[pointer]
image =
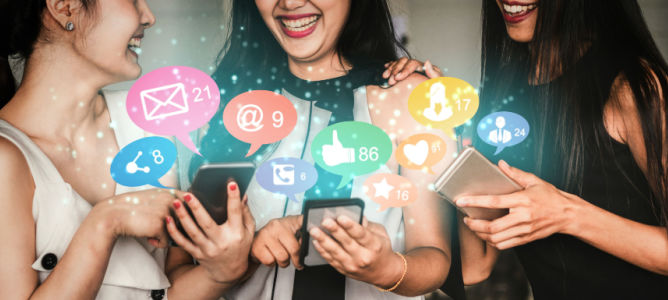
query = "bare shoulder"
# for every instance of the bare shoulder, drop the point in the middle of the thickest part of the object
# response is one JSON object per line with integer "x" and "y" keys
{"x": 15, "y": 178}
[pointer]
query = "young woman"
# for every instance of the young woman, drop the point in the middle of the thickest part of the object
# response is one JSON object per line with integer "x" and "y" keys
{"x": 71, "y": 232}
{"x": 326, "y": 57}
{"x": 591, "y": 81}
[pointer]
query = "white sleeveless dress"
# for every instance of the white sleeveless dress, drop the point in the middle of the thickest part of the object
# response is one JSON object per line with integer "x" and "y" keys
{"x": 135, "y": 269}
{"x": 266, "y": 206}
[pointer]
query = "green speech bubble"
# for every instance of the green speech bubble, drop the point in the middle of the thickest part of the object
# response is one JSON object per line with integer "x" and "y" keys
{"x": 351, "y": 149}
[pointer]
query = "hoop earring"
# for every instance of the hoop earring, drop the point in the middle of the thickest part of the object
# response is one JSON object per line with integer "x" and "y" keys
{"x": 69, "y": 26}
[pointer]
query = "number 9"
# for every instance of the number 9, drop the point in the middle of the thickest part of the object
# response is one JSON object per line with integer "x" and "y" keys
{"x": 277, "y": 116}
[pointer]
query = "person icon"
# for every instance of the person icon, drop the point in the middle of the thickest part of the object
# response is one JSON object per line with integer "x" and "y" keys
{"x": 436, "y": 97}
{"x": 500, "y": 135}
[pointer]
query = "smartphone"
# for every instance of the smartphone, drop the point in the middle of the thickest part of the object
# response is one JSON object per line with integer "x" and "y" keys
{"x": 473, "y": 174}
{"x": 315, "y": 211}
{"x": 210, "y": 188}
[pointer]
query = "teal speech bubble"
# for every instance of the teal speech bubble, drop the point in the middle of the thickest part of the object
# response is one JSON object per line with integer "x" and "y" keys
{"x": 351, "y": 149}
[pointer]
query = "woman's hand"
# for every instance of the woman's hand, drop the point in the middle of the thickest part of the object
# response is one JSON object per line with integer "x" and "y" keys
{"x": 138, "y": 214}
{"x": 399, "y": 70}
{"x": 221, "y": 249}
{"x": 362, "y": 252}
{"x": 276, "y": 243}
{"x": 536, "y": 212}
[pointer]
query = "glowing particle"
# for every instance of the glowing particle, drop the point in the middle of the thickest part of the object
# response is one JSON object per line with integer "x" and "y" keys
{"x": 100, "y": 134}
{"x": 81, "y": 104}
{"x": 74, "y": 153}
{"x": 393, "y": 122}
{"x": 397, "y": 113}
{"x": 202, "y": 39}
{"x": 109, "y": 160}
{"x": 104, "y": 186}
{"x": 174, "y": 42}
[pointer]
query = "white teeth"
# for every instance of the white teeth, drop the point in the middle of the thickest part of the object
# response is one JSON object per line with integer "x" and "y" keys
{"x": 514, "y": 9}
{"x": 300, "y": 24}
{"x": 134, "y": 43}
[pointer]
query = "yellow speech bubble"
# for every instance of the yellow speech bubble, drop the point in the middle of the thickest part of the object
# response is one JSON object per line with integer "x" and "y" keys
{"x": 443, "y": 103}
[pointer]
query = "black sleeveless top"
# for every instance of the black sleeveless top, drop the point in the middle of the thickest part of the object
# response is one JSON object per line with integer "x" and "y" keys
{"x": 562, "y": 266}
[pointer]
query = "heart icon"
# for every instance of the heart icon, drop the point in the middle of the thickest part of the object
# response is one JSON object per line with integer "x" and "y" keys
{"x": 417, "y": 153}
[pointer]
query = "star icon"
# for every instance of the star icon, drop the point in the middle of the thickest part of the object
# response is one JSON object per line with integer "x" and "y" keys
{"x": 383, "y": 189}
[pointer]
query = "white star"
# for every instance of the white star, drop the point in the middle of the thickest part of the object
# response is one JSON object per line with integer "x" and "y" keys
{"x": 383, "y": 189}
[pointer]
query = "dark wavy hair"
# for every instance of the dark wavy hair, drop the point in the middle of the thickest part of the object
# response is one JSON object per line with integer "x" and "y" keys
{"x": 21, "y": 23}
{"x": 615, "y": 31}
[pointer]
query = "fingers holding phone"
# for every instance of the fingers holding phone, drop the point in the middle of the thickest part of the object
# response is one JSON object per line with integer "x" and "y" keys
{"x": 277, "y": 244}
{"x": 221, "y": 249}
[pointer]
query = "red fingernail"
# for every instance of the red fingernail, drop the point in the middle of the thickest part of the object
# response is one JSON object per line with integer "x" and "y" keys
{"x": 187, "y": 198}
{"x": 177, "y": 204}
{"x": 168, "y": 219}
{"x": 233, "y": 186}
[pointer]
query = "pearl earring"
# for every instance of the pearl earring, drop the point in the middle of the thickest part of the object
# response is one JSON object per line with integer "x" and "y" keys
{"x": 69, "y": 26}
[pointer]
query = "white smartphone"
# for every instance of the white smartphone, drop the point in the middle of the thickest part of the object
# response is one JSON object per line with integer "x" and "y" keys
{"x": 473, "y": 174}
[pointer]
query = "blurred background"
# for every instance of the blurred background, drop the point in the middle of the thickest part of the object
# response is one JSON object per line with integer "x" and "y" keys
{"x": 447, "y": 32}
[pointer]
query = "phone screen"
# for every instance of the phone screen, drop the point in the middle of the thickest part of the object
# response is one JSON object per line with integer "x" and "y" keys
{"x": 210, "y": 188}
{"x": 314, "y": 216}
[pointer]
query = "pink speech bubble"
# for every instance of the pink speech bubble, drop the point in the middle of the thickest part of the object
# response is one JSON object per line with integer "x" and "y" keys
{"x": 390, "y": 190}
{"x": 173, "y": 101}
{"x": 259, "y": 117}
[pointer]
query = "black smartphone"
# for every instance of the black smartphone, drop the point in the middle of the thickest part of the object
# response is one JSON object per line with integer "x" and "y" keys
{"x": 315, "y": 211}
{"x": 210, "y": 188}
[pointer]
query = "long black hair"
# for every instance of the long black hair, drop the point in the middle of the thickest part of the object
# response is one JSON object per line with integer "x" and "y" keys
{"x": 566, "y": 31}
{"x": 21, "y": 23}
{"x": 251, "y": 54}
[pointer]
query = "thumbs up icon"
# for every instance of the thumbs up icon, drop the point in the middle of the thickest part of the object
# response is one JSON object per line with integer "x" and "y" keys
{"x": 335, "y": 154}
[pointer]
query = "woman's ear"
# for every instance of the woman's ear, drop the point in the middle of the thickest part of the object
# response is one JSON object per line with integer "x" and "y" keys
{"x": 64, "y": 12}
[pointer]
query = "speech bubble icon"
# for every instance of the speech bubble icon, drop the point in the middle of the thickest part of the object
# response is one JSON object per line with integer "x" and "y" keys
{"x": 259, "y": 117}
{"x": 421, "y": 151}
{"x": 143, "y": 161}
{"x": 443, "y": 103}
{"x": 503, "y": 129}
{"x": 173, "y": 101}
{"x": 351, "y": 149}
{"x": 390, "y": 190}
{"x": 286, "y": 175}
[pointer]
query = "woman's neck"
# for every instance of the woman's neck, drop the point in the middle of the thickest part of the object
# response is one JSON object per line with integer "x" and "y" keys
{"x": 326, "y": 67}
{"x": 58, "y": 96}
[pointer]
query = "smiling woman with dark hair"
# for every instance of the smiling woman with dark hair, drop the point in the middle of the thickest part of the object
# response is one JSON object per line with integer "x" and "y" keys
{"x": 591, "y": 81}
{"x": 326, "y": 57}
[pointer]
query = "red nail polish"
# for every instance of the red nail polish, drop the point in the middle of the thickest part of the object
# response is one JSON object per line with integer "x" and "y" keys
{"x": 177, "y": 204}
{"x": 168, "y": 219}
{"x": 233, "y": 186}
{"x": 187, "y": 198}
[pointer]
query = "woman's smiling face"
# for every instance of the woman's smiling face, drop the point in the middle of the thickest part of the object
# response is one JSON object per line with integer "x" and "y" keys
{"x": 305, "y": 29}
{"x": 520, "y": 17}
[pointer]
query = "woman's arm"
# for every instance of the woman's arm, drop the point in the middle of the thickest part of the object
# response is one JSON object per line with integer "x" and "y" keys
{"x": 79, "y": 273}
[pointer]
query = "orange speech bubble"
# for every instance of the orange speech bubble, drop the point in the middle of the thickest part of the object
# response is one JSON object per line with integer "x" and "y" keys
{"x": 421, "y": 152}
{"x": 390, "y": 190}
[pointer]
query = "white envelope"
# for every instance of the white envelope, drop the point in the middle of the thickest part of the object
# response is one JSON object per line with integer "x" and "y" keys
{"x": 164, "y": 101}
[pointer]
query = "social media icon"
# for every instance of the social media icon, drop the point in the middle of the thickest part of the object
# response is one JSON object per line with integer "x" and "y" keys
{"x": 500, "y": 135}
{"x": 443, "y": 103}
{"x": 421, "y": 151}
{"x": 249, "y": 118}
{"x": 284, "y": 174}
{"x": 382, "y": 189}
{"x": 164, "y": 101}
{"x": 174, "y": 101}
{"x": 143, "y": 161}
{"x": 390, "y": 190}
{"x": 417, "y": 153}
{"x": 335, "y": 154}
{"x": 132, "y": 166}
{"x": 438, "y": 102}
{"x": 259, "y": 117}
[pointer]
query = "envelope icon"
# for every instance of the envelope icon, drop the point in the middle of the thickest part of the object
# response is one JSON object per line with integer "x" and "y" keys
{"x": 164, "y": 101}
